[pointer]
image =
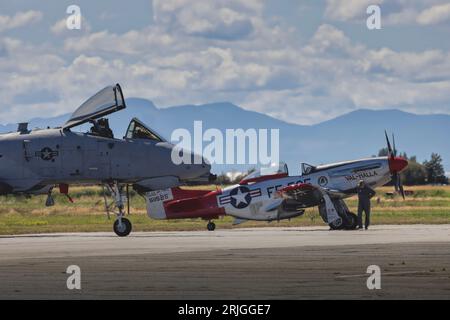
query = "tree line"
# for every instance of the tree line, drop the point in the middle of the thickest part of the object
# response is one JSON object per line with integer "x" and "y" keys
{"x": 428, "y": 172}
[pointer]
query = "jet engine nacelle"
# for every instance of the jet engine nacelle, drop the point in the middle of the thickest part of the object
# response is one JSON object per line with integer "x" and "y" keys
{"x": 159, "y": 183}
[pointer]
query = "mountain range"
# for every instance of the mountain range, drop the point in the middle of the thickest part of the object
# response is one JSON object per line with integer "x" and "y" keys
{"x": 357, "y": 134}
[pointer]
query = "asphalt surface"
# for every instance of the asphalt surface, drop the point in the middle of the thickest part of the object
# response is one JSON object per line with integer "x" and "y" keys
{"x": 260, "y": 263}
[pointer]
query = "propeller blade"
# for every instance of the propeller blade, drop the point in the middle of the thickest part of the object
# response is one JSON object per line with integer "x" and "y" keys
{"x": 394, "y": 178}
{"x": 388, "y": 144}
{"x": 402, "y": 191}
{"x": 393, "y": 145}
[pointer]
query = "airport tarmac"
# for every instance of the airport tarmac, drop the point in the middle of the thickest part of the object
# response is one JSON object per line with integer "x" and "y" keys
{"x": 259, "y": 263}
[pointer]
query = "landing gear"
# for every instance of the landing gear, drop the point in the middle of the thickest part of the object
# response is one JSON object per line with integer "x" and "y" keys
{"x": 352, "y": 221}
{"x": 337, "y": 224}
{"x": 122, "y": 226}
{"x": 50, "y": 201}
{"x": 211, "y": 226}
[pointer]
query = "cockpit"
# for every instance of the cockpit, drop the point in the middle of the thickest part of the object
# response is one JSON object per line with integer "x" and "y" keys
{"x": 107, "y": 101}
{"x": 101, "y": 128}
{"x": 272, "y": 170}
{"x": 307, "y": 169}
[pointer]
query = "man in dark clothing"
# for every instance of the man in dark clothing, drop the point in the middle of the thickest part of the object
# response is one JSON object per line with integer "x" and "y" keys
{"x": 364, "y": 195}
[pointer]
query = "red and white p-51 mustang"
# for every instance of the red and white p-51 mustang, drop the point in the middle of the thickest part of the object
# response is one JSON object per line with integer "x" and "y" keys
{"x": 271, "y": 194}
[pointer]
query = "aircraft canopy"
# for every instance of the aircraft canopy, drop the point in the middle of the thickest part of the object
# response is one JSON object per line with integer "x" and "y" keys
{"x": 138, "y": 130}
{"x": 104, "y": 102}
{"x": 273, "y": 169}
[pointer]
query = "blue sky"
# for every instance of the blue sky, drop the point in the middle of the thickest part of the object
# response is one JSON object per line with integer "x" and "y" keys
{"x": 300, "y": 61}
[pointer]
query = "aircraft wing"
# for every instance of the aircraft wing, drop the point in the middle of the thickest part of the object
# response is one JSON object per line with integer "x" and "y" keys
{"x": 307, "y": 194}
{"x": 304, "y": 195}
{"x": 104, "y": 102}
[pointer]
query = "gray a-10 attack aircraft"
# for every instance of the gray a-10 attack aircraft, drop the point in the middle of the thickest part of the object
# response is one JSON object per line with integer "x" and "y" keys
{"x": 35, "y": 161}
{"x": 274, "y": 195}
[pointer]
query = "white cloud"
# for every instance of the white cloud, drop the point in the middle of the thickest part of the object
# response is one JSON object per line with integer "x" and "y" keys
{"x": 60, "y": 27}
{"x": 221, "y": 19}
{"x": 175, "y": 61}
{"x": 132, "y": 42}
{"x": 20, "y": 19}
{"x": 345, "y": 10}
{"x": 393, "y": 12}
{"x": 435, "y": 14}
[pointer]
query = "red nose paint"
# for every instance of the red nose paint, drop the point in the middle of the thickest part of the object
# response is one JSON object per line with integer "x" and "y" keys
{"x": 397, "y": 164}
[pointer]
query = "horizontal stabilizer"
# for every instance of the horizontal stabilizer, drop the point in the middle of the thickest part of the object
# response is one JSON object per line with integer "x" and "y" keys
{"x": 155, "y": 203}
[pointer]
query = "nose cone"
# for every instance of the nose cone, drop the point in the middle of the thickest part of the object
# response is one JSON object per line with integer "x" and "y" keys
{"x": 204, "y": 168}
{"x": 196, "y": 171}
{"x": 397, "y": 164}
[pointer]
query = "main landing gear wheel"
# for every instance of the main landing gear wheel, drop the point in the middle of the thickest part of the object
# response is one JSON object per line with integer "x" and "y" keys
{"x": 211, "y": 226}
{"x": 352, "y": 221}
{"x": 122, "y": 229}
{"x": 337, "y": 224}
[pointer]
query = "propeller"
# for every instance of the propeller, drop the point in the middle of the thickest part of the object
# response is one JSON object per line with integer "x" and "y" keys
{"x": 393, "y": 144}
{"x": 396, "y": 165}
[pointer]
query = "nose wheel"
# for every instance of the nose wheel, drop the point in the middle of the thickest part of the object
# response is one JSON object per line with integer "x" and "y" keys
{"x": 122, "y": 227}
{"x": 211, "y": 226}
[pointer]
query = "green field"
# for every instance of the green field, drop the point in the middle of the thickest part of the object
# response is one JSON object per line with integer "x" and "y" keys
{"x": 19, "y": 214}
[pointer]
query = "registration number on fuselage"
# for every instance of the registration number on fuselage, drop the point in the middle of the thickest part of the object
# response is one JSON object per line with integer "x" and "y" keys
{"x": 274, "y": 188}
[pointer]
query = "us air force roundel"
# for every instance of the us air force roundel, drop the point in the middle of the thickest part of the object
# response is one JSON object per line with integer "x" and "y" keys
{"x": 46, "y": 154}
{"x": 240, "y": 197}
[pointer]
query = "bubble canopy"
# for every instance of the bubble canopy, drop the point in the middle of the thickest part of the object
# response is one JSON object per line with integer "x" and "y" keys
{"x": 108, "y": 100}
{"x": 273, "y": 169}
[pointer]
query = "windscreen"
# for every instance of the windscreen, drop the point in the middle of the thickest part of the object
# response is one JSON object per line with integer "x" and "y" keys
{"x": 137, "y": 130}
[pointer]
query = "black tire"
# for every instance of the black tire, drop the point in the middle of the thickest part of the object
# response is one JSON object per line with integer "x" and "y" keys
{"x": 211, "y": 226}
{"x": 126, "y": 227}
{"x": 337, "y": 224}
{"x": 352, "y": 221}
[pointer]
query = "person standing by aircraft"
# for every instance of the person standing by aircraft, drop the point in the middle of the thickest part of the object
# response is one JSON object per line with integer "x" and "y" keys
{"x": 364, "y": 195}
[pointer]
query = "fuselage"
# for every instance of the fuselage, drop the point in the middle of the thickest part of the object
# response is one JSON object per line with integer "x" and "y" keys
{"x": 253, "y": 200}
{"x": 33, "y": 160}
{"x": 256, "y": 197}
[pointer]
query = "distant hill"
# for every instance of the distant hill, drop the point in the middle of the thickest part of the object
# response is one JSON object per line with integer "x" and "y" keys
{"x": 353, "y": 135}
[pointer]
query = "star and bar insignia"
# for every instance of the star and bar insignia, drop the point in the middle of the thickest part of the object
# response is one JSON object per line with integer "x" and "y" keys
{"x": 240, "y": 197}
{"x": 46, "y": 154}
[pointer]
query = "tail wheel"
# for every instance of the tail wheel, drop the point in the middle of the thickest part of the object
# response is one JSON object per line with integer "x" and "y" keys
{"x": 123, "y": 229}
{"x": 352, "y": 221}
{"x": 211, "y": 226}
{"x": 337, "y": 224}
